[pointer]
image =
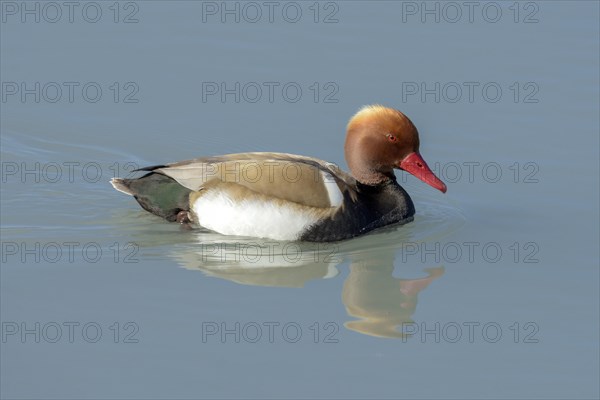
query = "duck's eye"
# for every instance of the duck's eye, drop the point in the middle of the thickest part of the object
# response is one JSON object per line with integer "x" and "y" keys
{"x": 391, "y": 138}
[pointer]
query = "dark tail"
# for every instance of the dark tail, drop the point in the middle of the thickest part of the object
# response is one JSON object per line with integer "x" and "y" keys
{"x": 156, "y": 193}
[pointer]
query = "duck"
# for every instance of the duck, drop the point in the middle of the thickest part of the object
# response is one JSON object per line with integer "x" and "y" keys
{"x": 288, "y": 197}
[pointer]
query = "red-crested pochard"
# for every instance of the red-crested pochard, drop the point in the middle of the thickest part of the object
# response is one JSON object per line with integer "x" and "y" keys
{"x": 289, "y": 197}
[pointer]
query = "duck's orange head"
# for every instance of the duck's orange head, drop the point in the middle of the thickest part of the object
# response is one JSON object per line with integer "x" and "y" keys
{"x": 379, "y": 139}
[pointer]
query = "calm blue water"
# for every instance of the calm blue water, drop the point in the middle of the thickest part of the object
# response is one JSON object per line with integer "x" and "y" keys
{"x": 492, "y": 292}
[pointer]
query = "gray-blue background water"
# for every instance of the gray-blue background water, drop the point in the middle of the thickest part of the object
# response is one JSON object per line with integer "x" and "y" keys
{"x": 494, "y": 285}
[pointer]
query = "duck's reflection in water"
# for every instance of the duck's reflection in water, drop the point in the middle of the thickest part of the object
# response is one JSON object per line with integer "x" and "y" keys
{"x": 260, "y": 262}
{"x": 380, "y": 302}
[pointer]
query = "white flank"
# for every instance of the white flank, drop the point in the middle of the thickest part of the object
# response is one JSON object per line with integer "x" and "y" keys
{"x": 333, "y": 190}
{"x": 217, "y": 211}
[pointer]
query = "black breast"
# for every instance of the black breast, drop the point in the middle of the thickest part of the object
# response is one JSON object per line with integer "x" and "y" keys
{"x": 374, "y": 207}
